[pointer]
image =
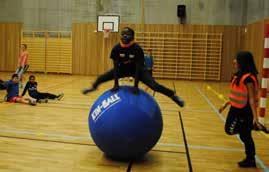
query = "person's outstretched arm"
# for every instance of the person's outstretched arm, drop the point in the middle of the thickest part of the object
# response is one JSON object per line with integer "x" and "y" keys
{"x": 25, "y": 88}
{"x": 221, "y": 109}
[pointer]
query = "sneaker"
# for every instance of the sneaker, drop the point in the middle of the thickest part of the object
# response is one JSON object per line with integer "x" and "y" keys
{"x": 247, "y": 163}
{"x": 178, "y": 100}
{"x": 32, "y": 102}
{"x": 60, "y": 96}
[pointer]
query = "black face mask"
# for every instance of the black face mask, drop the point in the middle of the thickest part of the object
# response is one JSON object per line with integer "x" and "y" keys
{"x": 126, "y": 39}
{"x": 126, "y": 36}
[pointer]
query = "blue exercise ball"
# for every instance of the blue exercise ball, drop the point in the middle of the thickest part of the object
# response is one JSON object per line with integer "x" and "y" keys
{"x": 125, "y": 126}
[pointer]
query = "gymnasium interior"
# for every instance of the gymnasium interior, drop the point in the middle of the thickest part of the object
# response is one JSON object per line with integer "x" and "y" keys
{"x": 193, "y": 44}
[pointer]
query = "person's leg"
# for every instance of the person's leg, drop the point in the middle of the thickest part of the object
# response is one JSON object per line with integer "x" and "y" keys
{"x": 22, "y": 100}
{"x": 20, "y": 73}
{"x": 147, "y": 79}
{"x": 26, "y": 67}
{"x": 150, "y": 72}
{"x": 109, "y": 75}
{"x": 232, "y": 123}
{"x": 2, "y": 87}
{"x": 18, "y": 70}
{"x": 47, "y": 96}
{"x": 39, "y": 97}
{"x": 30, "y": 101}
{"x": 25, "y": 100}
{"x": 246, "y": 137}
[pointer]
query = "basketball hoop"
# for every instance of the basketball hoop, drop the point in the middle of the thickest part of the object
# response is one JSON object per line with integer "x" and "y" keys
{"x": 106, "y": 32}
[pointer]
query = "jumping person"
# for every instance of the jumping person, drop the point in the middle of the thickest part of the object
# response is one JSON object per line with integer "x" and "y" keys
{"x": 128, "y": 60}
{"x": 31, "y": 87}
{"x": 12, "y": 87}
{"x": 242, "y": 116}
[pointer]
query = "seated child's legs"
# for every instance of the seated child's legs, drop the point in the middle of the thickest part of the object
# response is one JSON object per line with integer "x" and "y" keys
{"x": 19, "y": 99}
{"x": 14, "y": 99}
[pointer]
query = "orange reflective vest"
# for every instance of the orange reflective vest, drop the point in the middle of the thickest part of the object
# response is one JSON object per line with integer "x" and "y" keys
{"x": 239, "y": 93}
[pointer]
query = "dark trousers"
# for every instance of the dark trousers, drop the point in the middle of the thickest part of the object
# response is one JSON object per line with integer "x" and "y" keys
{"x": 2, "y": 87}
{"x": 39, "y": 96}
{"x": 144, "y": 77}
{"x": 242, "y": 124}
{"x": 150, "y": 72}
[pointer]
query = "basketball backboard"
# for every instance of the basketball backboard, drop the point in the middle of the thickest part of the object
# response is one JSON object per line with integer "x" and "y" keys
{"x": 108, "y": 22}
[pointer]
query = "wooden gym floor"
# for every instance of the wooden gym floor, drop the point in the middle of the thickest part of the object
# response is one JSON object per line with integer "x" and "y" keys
{"x": 54, "y": 137}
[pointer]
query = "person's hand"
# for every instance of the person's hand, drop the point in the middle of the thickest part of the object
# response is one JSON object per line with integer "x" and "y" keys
{"x": 221, "y": 109}
{"x": 257, "y": 125}
{"x": 115, "y": 88}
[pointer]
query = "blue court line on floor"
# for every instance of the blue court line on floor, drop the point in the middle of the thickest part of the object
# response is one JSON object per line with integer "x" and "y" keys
{"x": 259, "y": 161}
{"x": 87, "y": 139}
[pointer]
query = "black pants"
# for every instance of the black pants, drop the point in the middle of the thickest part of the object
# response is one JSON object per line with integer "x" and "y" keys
{"x": 241, "y": 124}
{"x": 150, "y": 71}
{"x": 38, "y": 96}
{"x": 2, "y": 87}
{"x": 144, "y": 76}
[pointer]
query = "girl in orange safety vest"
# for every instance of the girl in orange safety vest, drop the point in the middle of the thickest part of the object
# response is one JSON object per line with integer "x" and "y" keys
{"x": 242, "y": 115}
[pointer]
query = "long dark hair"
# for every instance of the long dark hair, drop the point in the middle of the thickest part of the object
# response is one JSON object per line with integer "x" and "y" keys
{"x": 246, "y": 65}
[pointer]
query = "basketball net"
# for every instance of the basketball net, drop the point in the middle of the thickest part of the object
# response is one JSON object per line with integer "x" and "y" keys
{"x": 106, "y": 33}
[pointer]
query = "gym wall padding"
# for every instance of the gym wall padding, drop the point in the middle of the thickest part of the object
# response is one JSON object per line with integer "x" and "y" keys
{"x": 10, "y": 39}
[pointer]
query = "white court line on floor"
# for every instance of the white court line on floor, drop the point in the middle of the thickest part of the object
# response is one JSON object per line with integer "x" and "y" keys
{"x": 10, "y": 131}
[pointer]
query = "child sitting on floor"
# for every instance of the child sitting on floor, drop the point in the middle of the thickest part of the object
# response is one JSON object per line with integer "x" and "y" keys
{"x": 12, "y": 87}
{"x": 31, "y": 87}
